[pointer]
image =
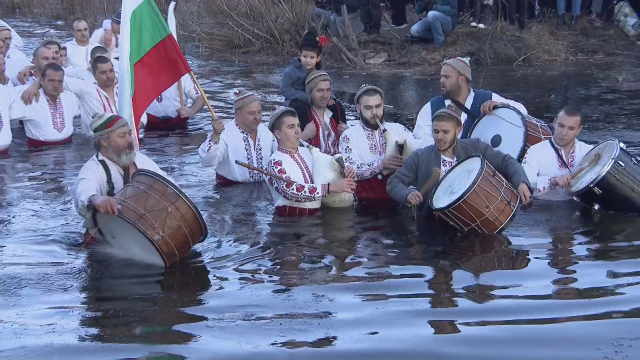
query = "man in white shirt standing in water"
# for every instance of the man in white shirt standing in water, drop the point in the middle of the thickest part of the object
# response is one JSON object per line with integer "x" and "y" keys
{"x": 79, "y": 49}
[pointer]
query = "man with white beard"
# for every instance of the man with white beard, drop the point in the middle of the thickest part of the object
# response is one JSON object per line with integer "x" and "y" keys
{"x": 107, "y": 172}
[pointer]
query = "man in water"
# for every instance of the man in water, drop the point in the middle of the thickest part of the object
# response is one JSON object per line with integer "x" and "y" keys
{"x": 79, "y": 48}
{"x": 166, "y": 113}
{"x": 548, "y": 164}
{"x": 444, "y": 154}
{"x": 107, "y": 172}
{"x": 455, "y": 87}
{"x": 109, "y": 36}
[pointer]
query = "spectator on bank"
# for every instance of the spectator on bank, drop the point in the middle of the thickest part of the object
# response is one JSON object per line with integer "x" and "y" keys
{"x": 513, "y": 12}
{"x": 398, "y": 13}
{"x": 462, "y": 5}
{"x": 329, "y": 12}
{"x": 478, "y": 15}
{"x": 575, "y": 13}
{"x": 371, "y": 16}
{"x": 440, "y": 20}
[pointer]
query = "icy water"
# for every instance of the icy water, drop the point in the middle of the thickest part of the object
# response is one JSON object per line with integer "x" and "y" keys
{"x": 558, "y": 284}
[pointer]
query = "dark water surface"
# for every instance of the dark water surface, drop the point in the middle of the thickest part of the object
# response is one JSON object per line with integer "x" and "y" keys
{"x": 558, "y": 284}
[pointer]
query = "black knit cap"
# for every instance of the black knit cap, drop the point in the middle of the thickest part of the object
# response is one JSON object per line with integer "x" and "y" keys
{"x": 310, "y": 41}
{"x": 117, "y": 17}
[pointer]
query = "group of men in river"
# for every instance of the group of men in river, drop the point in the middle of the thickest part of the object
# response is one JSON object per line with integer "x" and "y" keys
{"x": 313, "y": 116}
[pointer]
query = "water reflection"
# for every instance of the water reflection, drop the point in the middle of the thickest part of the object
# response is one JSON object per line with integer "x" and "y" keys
{"x": 132, "y": 303}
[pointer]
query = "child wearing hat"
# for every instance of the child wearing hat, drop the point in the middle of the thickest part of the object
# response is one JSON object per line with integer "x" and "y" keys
{"x": 293, "y": 87}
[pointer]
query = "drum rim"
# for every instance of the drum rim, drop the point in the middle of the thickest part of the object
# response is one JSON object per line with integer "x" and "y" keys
{"x": 604, "y": 170}
{"x": 141, "y": 231}
{"x": 173, "y": 186}
{"x": 464, "y": 193}
{"x": 522, "y": 118}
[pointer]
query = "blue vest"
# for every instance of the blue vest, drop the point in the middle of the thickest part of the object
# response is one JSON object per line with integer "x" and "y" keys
{"x": 479, "y": 98}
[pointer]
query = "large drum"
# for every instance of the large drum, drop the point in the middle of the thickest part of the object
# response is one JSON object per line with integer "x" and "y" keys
{"x": 608, "y": 177}
{"x": 508, "y": 130}
{"x": 474, "y": 197}
{"x": 156, "y": 222}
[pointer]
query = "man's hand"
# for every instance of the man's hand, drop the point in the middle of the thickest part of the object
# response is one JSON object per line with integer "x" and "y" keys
{"x": 25, "y": 73}
{"x": 32, "y": 92}
{"x": 185, "y": 112}
{"x": 392, "y": 162}
{"x": 414, "y": 198}
{"x": 349, "y": 172}
{"x": 488, "y": 106}
{"x": 105, "y": 204}
{"x": 218, "y": 128}
{"x": 562, "y": 180}
{"x": 342, "y": 186}
{"x": 525, "y": 194}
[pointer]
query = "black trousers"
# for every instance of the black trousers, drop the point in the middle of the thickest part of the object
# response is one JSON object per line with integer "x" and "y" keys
{"x": 371, "y": 15}
{"x": 509, "y": 9}
{"x": 462, "y": 5}
{"x": 398, "y": 12}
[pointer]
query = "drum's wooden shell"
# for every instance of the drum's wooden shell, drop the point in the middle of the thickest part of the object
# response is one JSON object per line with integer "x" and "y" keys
{"x": 163, "y": 213}
{"x": 487, "y": 207}
{"x": 537, "y": 131}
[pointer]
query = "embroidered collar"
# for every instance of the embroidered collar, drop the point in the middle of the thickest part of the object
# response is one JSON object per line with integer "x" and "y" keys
{"x": 288, "y": 152}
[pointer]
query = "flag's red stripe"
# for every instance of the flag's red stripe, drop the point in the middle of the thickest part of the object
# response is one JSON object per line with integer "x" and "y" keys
{"x": 155, "y": 72}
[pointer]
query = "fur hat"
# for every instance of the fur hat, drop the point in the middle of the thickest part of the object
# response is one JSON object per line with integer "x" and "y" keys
{"x": 366, "y": 87}
{"x": 461, "y": 65}
{"x": 314, "y": 78}
{"x": 278, "y": 112}
{"x": 242, "y": 98}
{"x": 102, "y": 124}
{"x": 451, "y": 112}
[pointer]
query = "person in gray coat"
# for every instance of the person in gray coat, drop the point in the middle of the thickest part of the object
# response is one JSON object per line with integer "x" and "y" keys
{"x": 444, "y": 154}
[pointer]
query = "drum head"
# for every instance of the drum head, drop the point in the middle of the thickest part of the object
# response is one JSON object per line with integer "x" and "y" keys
{"x": 608, "y": 151}
{"x": 504, "y": 129}
{"x": 456, "y": 183}
{"x": 127, "y": 241}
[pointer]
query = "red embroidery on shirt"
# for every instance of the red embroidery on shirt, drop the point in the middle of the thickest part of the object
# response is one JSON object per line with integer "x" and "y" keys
{"x": 57, "y": 114}
{"x": 291, "y": 190}
{"x": 248, "y": 149}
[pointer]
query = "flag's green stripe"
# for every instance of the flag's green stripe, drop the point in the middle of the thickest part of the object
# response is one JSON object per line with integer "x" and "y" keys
{"x": 148, "y": 28}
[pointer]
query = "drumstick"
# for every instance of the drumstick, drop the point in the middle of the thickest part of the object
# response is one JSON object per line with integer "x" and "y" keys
{"x": 251, "y": 167}
{"x": 435, "y": 176}
{"x": 596, "y": 157}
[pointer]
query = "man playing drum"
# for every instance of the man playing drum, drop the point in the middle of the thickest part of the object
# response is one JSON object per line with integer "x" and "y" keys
{"x": 364, "y": 146}
{"x": 455, "y": 86}
{"x": 444, "y": 154}
{"x": 300, "y": 196}
{"x": 106, "y": 173}
{"x": 548, "y": 164}
{"x": 245, "y": 139}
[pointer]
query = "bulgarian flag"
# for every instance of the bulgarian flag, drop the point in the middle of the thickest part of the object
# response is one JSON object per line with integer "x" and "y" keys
{"x": 150, "y": 59}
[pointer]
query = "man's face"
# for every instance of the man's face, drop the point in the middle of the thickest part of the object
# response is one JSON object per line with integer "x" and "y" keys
{"x": 115, "y": 28}
{"x": 445, "y": 134}
{"x": 2, "y": 68}
{"x": 44, "y": 56}
{"x": 289, "y": 134}
{"x": 52, "y": 83}
{"x": 250, "y": 116}
{"x": 321, "y": 94}
{"x": 63, "y": 58}
{"x": 81, "y": 31}
{"x": 566, "y": 129}
{"x": 6, "y": 35}
{"x": 450, "y": 82}
{"x": 309, "y": 59}
{"x": 105, "y": 76}
{"x": 371, "y": 109}
{"x": 118, "y": 147}
{"x": 56, "y": 53}
{"x": 3, "y": 49}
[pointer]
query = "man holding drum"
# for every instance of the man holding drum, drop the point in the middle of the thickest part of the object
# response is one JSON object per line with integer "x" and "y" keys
{"x": 245, "y": 139}
{"x": 106, "y": 173}
{"x": 455, "y": 87}
{"x": 444, "y": 154}
{"x": 548, "y": 164}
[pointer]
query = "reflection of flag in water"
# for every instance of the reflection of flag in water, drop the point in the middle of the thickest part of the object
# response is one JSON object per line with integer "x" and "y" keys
{"x": 150, "y": 59}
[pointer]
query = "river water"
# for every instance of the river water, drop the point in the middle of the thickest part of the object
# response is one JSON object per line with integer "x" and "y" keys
{"x": 559, "y": 283}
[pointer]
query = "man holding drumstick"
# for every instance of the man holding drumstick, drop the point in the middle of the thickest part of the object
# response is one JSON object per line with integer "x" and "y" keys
{"x": 548, "y": 164}
{"x": 444, "y": 155}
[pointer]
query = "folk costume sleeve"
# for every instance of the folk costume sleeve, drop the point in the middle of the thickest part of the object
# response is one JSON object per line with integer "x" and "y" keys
{"x": 212, "y": 152}
{"x": 506, "y": 165}
{"x": 515, "y": 104}
{"x": 364, "y": 170}
{"x": 77, "y": 86}
{"x": 287, "y": 89}
{"x": 291, "y": 190}
{"x": 87, "y": 185}
{"x": 423, "y": 128}
{"x": 531, "y": 166}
